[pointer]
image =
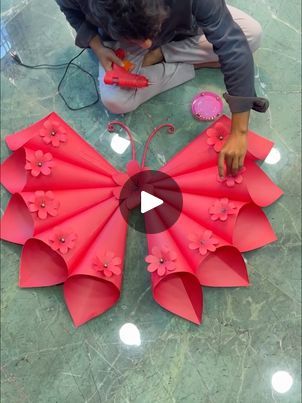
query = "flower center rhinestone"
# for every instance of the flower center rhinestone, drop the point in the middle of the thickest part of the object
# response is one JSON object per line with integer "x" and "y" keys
{"x": 161, "y": 260}
{"x": 220, "y": 137}
{"x": 223, "y": 210}
{"x": 52, "y": 133}
{"x": 106, "y": 265}
{"x": 62, "y": 240}
{"x": 43, "y": 205}
{"x": 39, "y": 164}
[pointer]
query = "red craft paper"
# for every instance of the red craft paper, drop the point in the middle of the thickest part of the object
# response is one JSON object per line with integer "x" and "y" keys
{"x": 18, "y": 224}
{"x": 199, "y": 155}
{"x": 179, "y": 291}
{"x": 15, "y": 178}
{"x": 85, "y": 226}
{"x": 248, "y": 229}
{"x": 255, "y": 187}
{"x": 78, "y": 236}
{"x": 75, "y": 150}
{"x": 89, "y": 293}
{"x": 223, "y": 267}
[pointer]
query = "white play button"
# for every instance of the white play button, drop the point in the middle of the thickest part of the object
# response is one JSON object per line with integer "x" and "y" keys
{"x": 149, "y": 202}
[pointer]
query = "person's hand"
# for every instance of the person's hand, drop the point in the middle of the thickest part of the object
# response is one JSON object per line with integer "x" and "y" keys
{"x": 105, "y": 55}
{"x": 232, "y": 154}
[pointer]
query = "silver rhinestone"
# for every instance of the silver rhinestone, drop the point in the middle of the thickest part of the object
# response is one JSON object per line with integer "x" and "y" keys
{"x": 40, "y": 164}
{"x": 161, "y": 260}
{"x": 105, "y": 265}
{"x": 62, "y": 240}
{"x": 43, "y": 205}
{"x": 53, "y": 133}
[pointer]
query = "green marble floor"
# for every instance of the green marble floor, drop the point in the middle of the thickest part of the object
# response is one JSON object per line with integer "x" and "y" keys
{"x": 247, "y": 335}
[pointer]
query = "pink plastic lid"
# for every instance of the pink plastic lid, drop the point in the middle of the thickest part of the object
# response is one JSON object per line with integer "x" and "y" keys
{"x": 207, "y": 106}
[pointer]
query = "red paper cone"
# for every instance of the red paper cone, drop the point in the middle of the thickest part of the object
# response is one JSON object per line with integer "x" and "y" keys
{"x": 244, "y": 226}
{"x": 178, "y": 289}
{"x": 94, "y": 284}
{"x": 77, "y": 233}
{"x": 69, "y": 147}
{"x": 40, "y": 266}
{"x": 250, "y": 184}
{"x": 203, "y": 152}
{"x": 252, "y": 230}
{"x": 216, "y": 263}
{"x": 19, "y": 224}
{"x": 62, "y": 175}
{"x": 263, "y": 191}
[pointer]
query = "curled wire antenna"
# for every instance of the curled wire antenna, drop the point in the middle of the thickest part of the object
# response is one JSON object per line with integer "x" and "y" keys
{"x": 170, "y": 130}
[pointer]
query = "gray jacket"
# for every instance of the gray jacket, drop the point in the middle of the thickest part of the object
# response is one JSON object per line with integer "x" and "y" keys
{"x": 185, "y": 20}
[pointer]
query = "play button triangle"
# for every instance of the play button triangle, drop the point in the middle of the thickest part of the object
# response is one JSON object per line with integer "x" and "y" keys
{"x": 149, "y": 202}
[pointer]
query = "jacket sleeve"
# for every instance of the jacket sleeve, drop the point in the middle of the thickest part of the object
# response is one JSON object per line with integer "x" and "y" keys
{"x": 235, "y": 56}
{"x": 76, "y": 18}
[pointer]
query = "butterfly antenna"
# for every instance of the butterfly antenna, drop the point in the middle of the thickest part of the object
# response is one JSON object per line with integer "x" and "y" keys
{"x": 171, "y": 130}
{"x": 110, "y": 128}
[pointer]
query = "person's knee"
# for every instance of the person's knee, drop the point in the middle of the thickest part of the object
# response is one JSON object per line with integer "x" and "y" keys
{"x": 117, "y": 104}
{"x": 254, "y": 35}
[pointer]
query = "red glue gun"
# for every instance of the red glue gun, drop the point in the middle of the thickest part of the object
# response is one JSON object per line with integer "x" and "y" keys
{"x": 122, "y": 78}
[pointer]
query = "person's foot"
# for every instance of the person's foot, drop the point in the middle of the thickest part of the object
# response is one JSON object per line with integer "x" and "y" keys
{"x": 153, "y": 57}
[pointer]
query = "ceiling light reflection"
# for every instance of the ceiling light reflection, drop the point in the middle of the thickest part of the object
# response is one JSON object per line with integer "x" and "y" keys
{"x": 273, "y": 157}
{"x": 130, "y": 335}
{"x": 119, "y": 144}
{"x": 282, "y": 381}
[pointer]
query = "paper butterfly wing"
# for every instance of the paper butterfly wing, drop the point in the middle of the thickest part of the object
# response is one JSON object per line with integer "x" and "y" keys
{"x": 64, "y": 211}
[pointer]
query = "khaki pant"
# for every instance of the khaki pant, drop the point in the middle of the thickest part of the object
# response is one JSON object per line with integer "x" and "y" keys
{"x": 178, "y": 67}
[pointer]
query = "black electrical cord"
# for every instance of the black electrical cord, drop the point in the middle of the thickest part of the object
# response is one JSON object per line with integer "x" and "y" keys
{"x": 67, "y": 65}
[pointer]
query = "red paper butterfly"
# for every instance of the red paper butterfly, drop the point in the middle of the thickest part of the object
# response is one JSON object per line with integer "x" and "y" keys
{"x": 65, "y": 211}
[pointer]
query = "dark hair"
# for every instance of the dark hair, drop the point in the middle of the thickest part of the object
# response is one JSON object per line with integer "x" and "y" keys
{"x": 130, "y": 19}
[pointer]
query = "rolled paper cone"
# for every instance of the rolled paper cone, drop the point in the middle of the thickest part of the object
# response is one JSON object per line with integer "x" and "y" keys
{"x": 83, "y": 228}
{"x": 18, "y": 224}
{"x": 247, "y": 229}
{"x": 15, "y": 178}
{"x": 75, "y": 150}
{"x": 252, "y": 230}
{"x": 199, "y": 155}
{"x": 255, "y": 185}
{"x": 222, "y": 267}
{"x": 179, "y": 291}
{"x": 205, "y": 183}
{"x": 263, "y": 191}
{"x": 196, "y": 155}
{"x": 89, "y": 292}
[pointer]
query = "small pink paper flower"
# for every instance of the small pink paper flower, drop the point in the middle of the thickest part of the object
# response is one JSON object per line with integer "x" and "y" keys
{"x": 62, "y": 240}
{"x": 44, "y": 204}
{"x": 217, "y": 136}
{"x": 161, "y": 261}
{"x": 232, "y": 180}
{"x": 203, "y": 243}
{"x": 39, "y": 163}
{"x": 108, "y": 265}
{"x": 132, "y": 192}
{"x": 221, "y": 209}
{"x": 53, "y": 133}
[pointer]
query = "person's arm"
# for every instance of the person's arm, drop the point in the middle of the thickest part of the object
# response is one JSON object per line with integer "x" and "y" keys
{"x": 237, "y": 65}
{"x": 87, "y": 34}
{"x": 76, "y": 18}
